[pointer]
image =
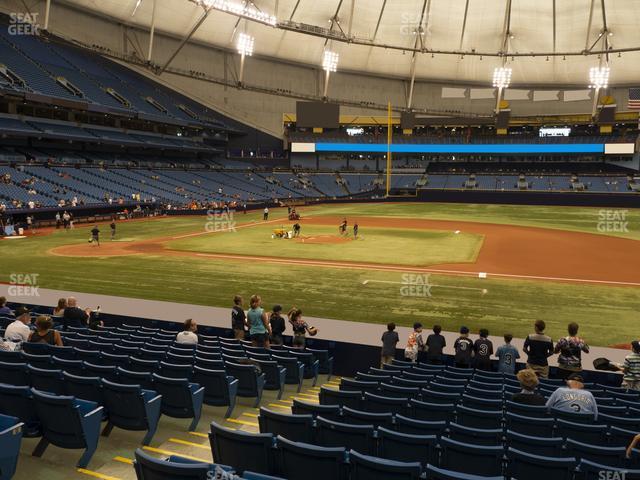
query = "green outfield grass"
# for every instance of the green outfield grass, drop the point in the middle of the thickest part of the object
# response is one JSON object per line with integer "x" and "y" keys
{"x": 379, "y": 245}
{"x": 606, "y": 314}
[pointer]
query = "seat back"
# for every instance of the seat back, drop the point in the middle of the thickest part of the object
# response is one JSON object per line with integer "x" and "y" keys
{"x": 472, "y": 459}
{"x": 539, "y": 411}
{"x": 380, "y": 404}
{"x": 143, "y": 365}
{"x": 84, "y": 388}
{"x": 596, "y": 453}
{"x": 413, "y": 426}
{"x": 14, "y": 373}
{"x": 404, "y": 447}
{"x": 474, "y": 418}
{"x": 127, "y": 377}
{"x": 271, "y": 372}
{"x": 524, "y": 466}
{"x": 329, "y": 396}
{"x": 358, "y": 417}
{"x": 477, "y": 436}
{"x": 75, "y": 367}
{"x": 346, "y": 384}
{"x": 331, "y": 412}
{"x": 594, "y": 434}
{"x": 48, "y": 380}
{"x": 297, "y": 428}
{"x": 536, "y": 427}
{"x": 245, "y": 451}
{"x": 365, "y": 467}
{"x": 300, "y": 461}
{"x": 125, "y": 404}
{"x": 543, "y": 446}
{"x": 150, "y": 468}
{"x": 247, "y": 376}
{"x": 435, "y": 412}
{"x": 353, "y": 437}
{"x": 177, "y": 399}
{"x": 174, "y": 370}
{"x": 17, "y": 401}
{"x": 38, "y": 361}
{"x": 106, "y": 372}
{"x": 216, "y": 387}
{"x": 60, "y": 418}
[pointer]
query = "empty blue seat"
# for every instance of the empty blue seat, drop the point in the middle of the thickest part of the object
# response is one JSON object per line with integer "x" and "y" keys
{"x": 91, "y": 356}
{"x": 38, "y": 361}
{"x": 49, "y": 380}
{"x": 180, "y": 398}
{"x": 127, "y": 377}
{"x": 474, "y": 418}
{"x": 539, "y": 411}
{"x": 473, "y": 459}
{"x": 619, "y": 437}
{"x": 300, "y": 461}
{"x": 68, "y": 423}
{"x": 300, "y": 407}
{"x": 352, "y": 399}
{"x": 431, "y": 396}
{"x": 74, "y": 367}
{"x": 180, "y": 358}
{"x": 571, "y": 416}
{"x": 297, "y": 428}
{"x": 525, "y": 466}
{"x": 151, "y": 468}
{"x": 107, "y": 372}
{"x": 174, "y": 370}
{"x": 596, "y": 453}
{"x": 294, "y": 369}
{"x": 114, "y": 359}
{"x": 620, "y": 421}
{"x": 336, "y": 434}
{"x": 358, "y": 417}
{"x": 410, "y": 382}
{"x": 131, "y": 408}
{"x": 493, "y": 395}
{"x": 543, "y": 446}
{"x": 220, "y": 389}
{"x": 250, "y": 381}
{"x": 595, "y": 434}
{"x": 364, "y": 467}
{"x": 347, "y": 384}
{"x": 404, "y": 447}
{"x": 17, "y": 401}
{"x": 438, "y": 385}
{"x": 35, "y": 348}
{"x": 11, "y": 357}
{"x": 477, "y": 436}
{"x": 14, "y": 373}
{"x": 380, "y": 404}
{"x": 594, "y": 471}
{"x": 142, "y": 365}
{"x": 150, "y": 354}
{"x": 245, "y": 451}
{"x": 274, "y": 376}
{"x": 481, "y": 403}
{"x": 433, "y": 412}
{"x": 84, "y": 388}
{"x": 419, "y": 427}
{"x": 10, "y": 438}
{"x": 435, "y": 473}
{"x": 388, "y": 390}
{"x": 325, "y": 359}
{"x": 536, "y": 427}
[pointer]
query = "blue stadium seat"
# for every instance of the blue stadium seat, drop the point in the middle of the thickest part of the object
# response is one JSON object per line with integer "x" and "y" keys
{"x": 596, "y": 453}
{"x": 245, "y": 451}
{"x": 620, "y": 421}
{"x": 349, "y": 385}
{"x": 571, "y": 416}
{"x": 74, "y": 367}
{"x": 431, "y": 396}
{"x": 594, "y": 471}
{"x": 274, "y": 376}
{"x": 410, "y": 382}
{"x": 404, "y": 447}
{"x": 435, "y": 473}
{"x": 594, "y": 434}
{"x": 389, "y": 390}
{"x": 525, "y": 466}
{"x": 331, "y": 412}
{"x": 469, "y": 458}
{"x": 619, "y": 437}
{"x": 180, "y": 398}
{"x": 413, "y": 426}
{"x": 17, "y": 401}
{"x": 38, "y": 361}
{"x": 114, "y": 359}
{"x": 35, "y": 348}
{"x": 336, "y": 434}
{"x": 364, "y": 467}
{"x": 477, "y": 436}
{"x": 107, "y": 372}
{"x": 151, "y": 468}
{"x": 180, "y": 359}
{"x": 68, "y": 423}
{"x": 250, "y": 381}
{"x": 131, "y": 408}
{"x": 489, "y": 394}
{"x": 11, "y": 357}
{"x": 311, "y": 365}
{"x": 379, "y": 404}
{"x": 84, "y": 388}
{"x": 536, "y": 427}
{"x": 14, "y": 373}
{"x": 325, "y": 361}
{"x": 10, "y": 438}
{"x": 480, "y": 403}
{"x": 539, "y": 411}
{"x": 220, "y": 389}
{"x": 300, "y": 461}
{"x": 297, "y": 428}
{"x": 342, "y": 398}
{"x": 294, "y": 368}
{"x": 49, "y": 380}
{"x": 474, "y": 418}
{"x": 441, "y": 385}
{"x": 543, "y": 446}
{"x": 358, "y": 417}
{"x": 174, "y": 370}
{"x": 142, "y": 365}
{"x": 127, "y": 377}
{"x": 433, "y": 412}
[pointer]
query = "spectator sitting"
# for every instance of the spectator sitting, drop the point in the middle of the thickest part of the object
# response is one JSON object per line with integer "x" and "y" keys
{"x": 538, "y": 348}
{"x": 19, "y": 331}
{"x": 463, "y": 348}
{"x": 74, "y": 316}
{"x": 507, "y": 355}
{"x": 45, "y": 333}
{"x": 528, "y": 395}
{"x": 435, "y": 345}
{"x": 58, "y": 311}
{"x": 570, "y": 349}
{"x": 188, "y": 335}
{"x": 4, "y": 310}
{"x": 573, "y": 398}
{"x": 389, "y": 341}
{"x": 631, "y": 368}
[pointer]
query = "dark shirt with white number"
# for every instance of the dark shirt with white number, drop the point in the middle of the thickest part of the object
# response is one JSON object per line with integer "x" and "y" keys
{"x": 464, "y": 350}
{"x": 483, "y": 349}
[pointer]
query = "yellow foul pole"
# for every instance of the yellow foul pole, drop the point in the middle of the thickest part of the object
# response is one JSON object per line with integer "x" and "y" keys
{"x": 389, "y": 136}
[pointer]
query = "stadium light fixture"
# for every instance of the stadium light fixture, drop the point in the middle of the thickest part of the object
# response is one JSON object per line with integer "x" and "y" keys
{"x": 599, "y": 77}
{"x": 245, "y": 49}
{"x": 502, "y": 77}
{"x": 329, "y": 64}
{"x": 245, "y": 44}
{"x": 245, "y": 10}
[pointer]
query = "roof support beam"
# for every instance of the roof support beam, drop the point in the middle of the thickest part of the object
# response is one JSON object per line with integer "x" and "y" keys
{"x": 293, "y": 12}
{"x": 335, "y": 21}
{"x": 47, "y": 10}
{"x": 353, "y": 7}
{"x": 464, "y": 23}
{"x": 187, "y": 37}
{"x": 586, "y": 43}
{"x": 419, "y": 34}
{"x": 555, "y": 31}
{"x": 375, "y": 33}
{"x": 152, "y": 31}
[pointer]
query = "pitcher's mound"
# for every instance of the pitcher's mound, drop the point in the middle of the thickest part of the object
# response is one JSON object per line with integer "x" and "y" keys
{"x": 324, "y": 239}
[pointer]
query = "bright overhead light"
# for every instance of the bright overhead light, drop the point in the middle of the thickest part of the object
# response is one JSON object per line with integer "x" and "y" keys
{"x": 245, "y": 44}
{"x": 599, "y": 77}
{"x": 502, "y": 77}
{"x": 135, "y": 9}
{"x": 330, "y": 61}
{"x": 240, "y": 9}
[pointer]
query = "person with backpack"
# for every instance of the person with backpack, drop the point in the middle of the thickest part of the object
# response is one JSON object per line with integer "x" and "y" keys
{"x": 415, "y": 343}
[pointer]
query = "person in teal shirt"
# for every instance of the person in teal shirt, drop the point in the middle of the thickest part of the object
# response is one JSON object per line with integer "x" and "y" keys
{"x": 259, "y": 327}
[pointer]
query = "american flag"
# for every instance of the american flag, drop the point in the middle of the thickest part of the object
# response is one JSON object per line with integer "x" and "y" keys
{"x": 634, "y": 99}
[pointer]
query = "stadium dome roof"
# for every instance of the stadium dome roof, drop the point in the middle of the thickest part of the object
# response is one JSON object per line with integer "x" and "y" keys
{"x": 546, "y": 42}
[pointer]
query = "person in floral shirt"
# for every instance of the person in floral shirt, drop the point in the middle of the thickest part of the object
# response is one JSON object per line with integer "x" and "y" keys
{"x": 570, "y": 349}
